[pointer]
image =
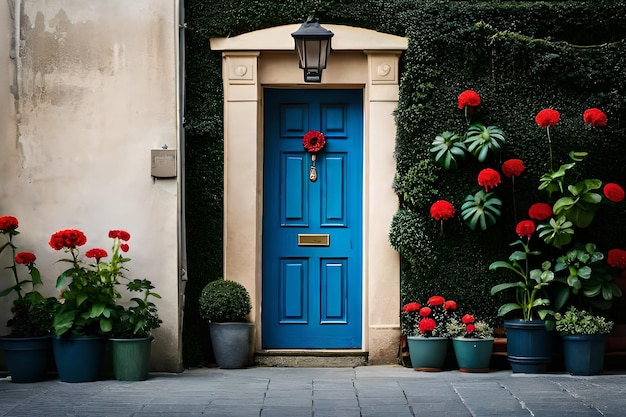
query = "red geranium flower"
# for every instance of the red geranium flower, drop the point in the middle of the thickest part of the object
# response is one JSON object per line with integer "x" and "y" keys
{"x": 425, "y": 311}
{"x": 313, "y": 141}
{"x": 436, "y": 300}
{"x": 8, "y": 224}
{"x": 427, "y": 325}
{"x": 121, "y": 234}
{"x": 488, "y": 178}
{"x": 124, "y": 247}
{"x": 442, "y": 210}
{"x": 525, "y": 228}
{"x": 594, "y": 117}
{"x": 68, "y": 238}
{"x": 468, "y": 318}
{"x": 547, "y": 117}
{"x": 513, "y": 167}
{"x": 613, "y": 192}
{"x": 410, "y": 307}
{"x": 25, "y": 258}
{"x": 449, "y": 305}
{"x": 470, "y": 328}
{"x": 617, "y": 258}
{"x": 96, "y": 253}
{"x": 469, "y": 98}
{"x": 540, "y": 211}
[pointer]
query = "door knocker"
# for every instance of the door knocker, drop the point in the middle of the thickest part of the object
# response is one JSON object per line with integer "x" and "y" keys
{"x": 313, "y": 142}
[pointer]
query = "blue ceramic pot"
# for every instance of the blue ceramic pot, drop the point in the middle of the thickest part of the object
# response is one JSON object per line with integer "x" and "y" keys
{"x": 79, "y": 358}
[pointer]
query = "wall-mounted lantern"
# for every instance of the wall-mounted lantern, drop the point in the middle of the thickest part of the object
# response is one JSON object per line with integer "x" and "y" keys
{"x": 313, "y": 47}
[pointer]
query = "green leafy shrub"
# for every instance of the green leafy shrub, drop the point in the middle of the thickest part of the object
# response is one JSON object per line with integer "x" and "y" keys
{"x": 224, "y": 301}
{"x": 575, "y": 321}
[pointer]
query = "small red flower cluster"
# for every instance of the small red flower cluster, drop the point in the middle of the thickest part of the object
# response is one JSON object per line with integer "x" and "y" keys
{"x": 442, "y": 210}
{"x": 468, "y": 98}
{"x": 68, "y": 238}
{"x": 617, "y": 258}
{"x": 513, "y": 168}
{"x": 468, "y": 320}
{"x": 547, "y": 117}
{"x": 8, "y": 224}
{"x": 594, "y": 117}
{"x": 122, "y": 235}
{"x": 25, "y": 258}
{"x": 313, "y": 141}
{"x": 431, "y": 315}
{"x": 525, "y": 228}
{"x": 540, "y": 211}
{"x": 96, "y": 253}
{"x": 613, "y": 192}
{"x": 488, "y": 178}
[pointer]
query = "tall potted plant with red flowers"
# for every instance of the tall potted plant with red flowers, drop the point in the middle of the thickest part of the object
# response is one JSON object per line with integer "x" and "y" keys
{"x": 426, "y": 329}
{"x": 28, "y": 348}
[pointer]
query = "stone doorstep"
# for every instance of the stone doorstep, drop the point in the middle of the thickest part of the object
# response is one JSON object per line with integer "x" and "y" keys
{"x": 311, "y": 358}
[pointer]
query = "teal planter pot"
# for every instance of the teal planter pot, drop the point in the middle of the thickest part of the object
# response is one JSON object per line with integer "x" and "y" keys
{"x": 78, "y": 358}
{"x": 584, "y": 354}
{"x": 529, "y": 346}
{"x": 473, "y": 355}
{"x": 427, "y": 353}
{"x": 28, "y": 358}
{"x": 131, "y": 358}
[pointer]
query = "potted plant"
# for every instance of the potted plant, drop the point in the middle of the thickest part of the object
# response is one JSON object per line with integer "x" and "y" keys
{"x": 426, "y": 331}
{"x": 28, "y": 348}
{"x": 88, "y": 295}
{"x": 131, "y": 337}
{"x": 583, "y": 338}
{"x": 225, "y": 304}
{"x": 472, "y": 342}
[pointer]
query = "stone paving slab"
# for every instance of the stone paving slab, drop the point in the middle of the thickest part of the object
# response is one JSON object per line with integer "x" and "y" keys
{"x": 368, "y": 391}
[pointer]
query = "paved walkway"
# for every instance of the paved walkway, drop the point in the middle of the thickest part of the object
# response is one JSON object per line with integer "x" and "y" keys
{"x": 366, "y": 391}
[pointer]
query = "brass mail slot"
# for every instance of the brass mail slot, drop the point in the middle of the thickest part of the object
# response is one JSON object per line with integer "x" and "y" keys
{"x": 313, "y": 240}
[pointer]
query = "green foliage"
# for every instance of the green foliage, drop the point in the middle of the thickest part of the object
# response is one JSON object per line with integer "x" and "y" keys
{"x": 138, "y": 320}
{"x": 407, "y": 234}
{"x": 481, "y": 209}
{"x": 417, "y": 186}
{"x": 448, "y": 148}
{"x": 457, "y": 329}
{"x": 578, "y": 322}
{"x": 481, "y": 140}
{"x": 224, "y": 301}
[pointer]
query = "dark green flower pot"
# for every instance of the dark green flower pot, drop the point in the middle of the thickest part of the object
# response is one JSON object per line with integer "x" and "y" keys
{"x": 28, "y": 358}
{"x": 131, "y": 358}
{"x": 583, "y": 354}
{"x": 529, "y": 346}
{"x": 427, "y": 353}
{"x": 472, "y": 355}
{"x": 78, "y": 358}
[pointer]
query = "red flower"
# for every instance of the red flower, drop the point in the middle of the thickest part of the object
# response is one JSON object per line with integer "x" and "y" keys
{"x": 25, "y": 258}
{"x": 313, "y": 141}
{"x": 411, "y": 307}
{"x": 442, "y": 210}
{"x": 96, "y": 253}
{"x": 468, "y": 318}
{"x": 124, "y": 247}
{"x": 449, "y": 305}
{"x": 613, "y": 192}
{"x": 469, "y": 98}
{"x": 540, "y": 211}
{"x": 594, "y": 117}
{"x": 68, "y": 238}
{"x": 525, "y": 228}
{"x": 617, "y": 258}
{"x": 547, "y": 117}
{"x": 425, "y": 311}
{"x": 121, "y": 234}
{"x": 436, "y": 300}
{"x": 488, "y": 178}
{"x": 470, "y": 328}
{"x": 427, "y": 325}
{"x": 513, "y": 167}
{"x": 8, "y": 224}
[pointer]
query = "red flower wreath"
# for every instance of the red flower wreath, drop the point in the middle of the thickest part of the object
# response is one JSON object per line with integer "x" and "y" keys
{"x": 313, "y": 141}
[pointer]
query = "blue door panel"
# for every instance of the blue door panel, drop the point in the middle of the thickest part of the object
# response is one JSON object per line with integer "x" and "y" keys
{"x": 312, "y": 294}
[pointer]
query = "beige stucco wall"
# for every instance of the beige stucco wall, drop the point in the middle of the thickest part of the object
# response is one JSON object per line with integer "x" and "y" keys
{"x": 361, "y": 59}
{"x": 95, "y": 91}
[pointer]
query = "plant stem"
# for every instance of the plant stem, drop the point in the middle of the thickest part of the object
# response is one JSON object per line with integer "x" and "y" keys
{"x": 18, "y": 290}
{"x": 550, "y": 146}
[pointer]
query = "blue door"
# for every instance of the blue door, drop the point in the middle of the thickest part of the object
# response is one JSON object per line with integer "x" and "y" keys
{"x": 312, "y": 230}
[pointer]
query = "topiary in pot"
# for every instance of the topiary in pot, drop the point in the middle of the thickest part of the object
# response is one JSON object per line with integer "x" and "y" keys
{"x": 226, "y": 304}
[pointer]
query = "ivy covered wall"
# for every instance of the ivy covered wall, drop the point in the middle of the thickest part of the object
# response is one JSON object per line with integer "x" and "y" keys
{"x": 520, "y": 56}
